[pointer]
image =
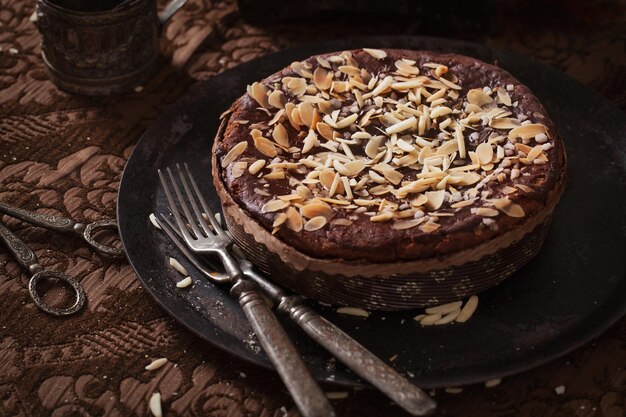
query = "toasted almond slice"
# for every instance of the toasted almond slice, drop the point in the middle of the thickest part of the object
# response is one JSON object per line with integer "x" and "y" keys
{"x": 279, "y": 219}
{"x": 440, "y": 111}
{"x": 315, "y": 223}
{"x": 353, "y": 168}
{"x": 280, "y": 135}
{"x": 347, "y": 121}
{"x": 407, "y": 224}
{"x": 353, "y": 311}
{"x": 440, "y": 70}
{"x": 485, "y": 153}
{"x": 534, "y": 153}
{"x": 276, "y": 99}
{"x": 297, "y": 86}
{"x": 429, "y": 227}
{"x": 325, "y": 130}
{"x": 184, "y": 283}
{"x": 444, "y": 308}
{"x": 155, "y": 405}
{"x": 323, "y": 79}
{"x": 177, "y": 266}
{"x": 435, "y": 199}
{"x": 258, "y": 92}
{"x": 383, "y": 217}
{"x": 504, "y": 97}
{"x": 448, "y": 318}
{"x": 478, "y": 97}
{"x": 256, "y": 166}
{"x": 265, "y": 146}
{"x": 316, "y": 209}
{"x": 371, "y": 149}
{"x": 294, "y": 221}
{"x": 430, "y": 319}
{"x": 406, "y": 67}
{"x": 505, "y": 123}
{"x": 234, "y": 153}
{"x": 486, "y": 212}
{"x": 392, "y": 175}
{"x": 238, "y": 169}
{"x": 376, "y": 53}
{"x": 305, "y": 111}
{"x": 468, "y": 309}
{"x": 406, "y": 124}
{"x": 309, "y": 141}
{"x": 420, "y": 200}
{"x": 527, "y": 131}
{"x": 274, "y": 205}
{"x": 156, "y": 364}
{"x": 513, "y": 210}
{"x": 349, "y": 70}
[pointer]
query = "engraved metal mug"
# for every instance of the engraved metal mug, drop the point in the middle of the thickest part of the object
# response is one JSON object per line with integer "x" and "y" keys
{"x": 101, "y": 47}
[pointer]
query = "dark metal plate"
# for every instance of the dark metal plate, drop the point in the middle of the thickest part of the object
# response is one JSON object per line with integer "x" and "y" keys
{"x": 571, "y": 292}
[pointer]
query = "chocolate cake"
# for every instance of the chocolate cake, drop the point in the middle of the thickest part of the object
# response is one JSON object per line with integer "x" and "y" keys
{"x": 388, "y": 179}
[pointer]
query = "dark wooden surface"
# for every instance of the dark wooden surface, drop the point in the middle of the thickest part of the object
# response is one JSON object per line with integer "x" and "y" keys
{"x": 64, "y": 154}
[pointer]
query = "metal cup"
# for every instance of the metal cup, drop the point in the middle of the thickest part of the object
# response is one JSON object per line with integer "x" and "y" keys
{"x": 101, "y": 47}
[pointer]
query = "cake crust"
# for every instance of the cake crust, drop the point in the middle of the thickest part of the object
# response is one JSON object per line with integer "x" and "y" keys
{"x": 534, "y": 191}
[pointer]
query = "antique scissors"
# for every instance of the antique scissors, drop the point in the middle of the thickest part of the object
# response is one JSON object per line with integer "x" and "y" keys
{"x": 27, "y": 258}
{"x": 63, "y": 224}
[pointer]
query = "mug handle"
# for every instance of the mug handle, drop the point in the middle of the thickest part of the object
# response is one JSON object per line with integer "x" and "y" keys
{"x": 169, "y": 11}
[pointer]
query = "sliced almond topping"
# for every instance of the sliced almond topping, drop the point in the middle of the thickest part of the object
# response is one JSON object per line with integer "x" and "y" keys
{"x": 239, "y": 168}
{"x": 392, "y": 175}
{"x": 534, "y": 152}
{"x": 294, "y": 221}
{"x": 316, "y": 209}
{"x": 409, "y": 123}
{"x": 353, "y": 311}
{"x": 276, "y": 99}
{"x": 315, "y": 223}
{"x": 274, "y": 205}
{"x": 347, "y": 121}
{"x": 279, "y": 219}
{"x": 468, "y": 309}
{"x": 376, "y": 53}
{"x": 429, "y": 227}
{"x": 281, "y": 136}
{"x": 407, "y": 224}
{"x": 383, "y": 217}
{"x": 323, "y": 79}
{"x": 234, "y": 153}
{"x": 486, "y": 212}
{"x": 265, "y": 146}
{"x": 309, "y": 141}
{"x": 258, "y": 92}
{"x": 484, "y": 152}
{"x": 478, "y": 97}
{"x": 527, "y": 131}
{"x": 326, "y": 131}
{"x": 505, "y": 123}
{"x": 371, "y": 149}
{"x": 435, "y": 199}
{"x": 504, "y": 97}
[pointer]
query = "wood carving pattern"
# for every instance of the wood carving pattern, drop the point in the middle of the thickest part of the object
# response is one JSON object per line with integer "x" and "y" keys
{"x": 63, "y": 155}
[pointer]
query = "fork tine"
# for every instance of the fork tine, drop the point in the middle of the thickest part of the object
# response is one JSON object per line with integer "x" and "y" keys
{"x": 192, "y": 200}
{"x": 194, "y": 225}
{"x": 174, "y": 209}
{"x": 216, "y": 225}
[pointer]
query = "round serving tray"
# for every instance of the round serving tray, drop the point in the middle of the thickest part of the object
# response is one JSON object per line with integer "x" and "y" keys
{"x": 571, "y": 292}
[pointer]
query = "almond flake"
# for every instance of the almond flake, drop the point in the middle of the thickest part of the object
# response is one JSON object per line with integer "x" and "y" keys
{"x": 527, "y": 131}
{"x": 485, "y": 153}
{"x": 353, "y": 311}
{"x": 478, "y": 97}
{"x": 234, "y": 153}
{"x": 376, "y": 53}
{"x": 258, "y": 92}
{"x": 468, "y": 309}
{"x": 409, "y": 123}
{"x": 315, "y": 223}
{"x": 316, "y": 209}
{"x": 274, "y": 205}
{"x": 486, "y": 212}
{"x": 279, "y": 219}
{"x": 280, "y": 135}
{"x": 309, "y": 141}
{"x": 276, "y": 99}
{"x": 347, "y": 121}
{"x": 265, "y": 146}
{"x": 323, "y": 79}
{"x": 294, "y": 221}
{"x": 435, "y": 199}
{"x": 238, "y": 169}
{"x": 383, "y": 217}
{"x": 407, "y": 224}
{"x": 429, "y": 227}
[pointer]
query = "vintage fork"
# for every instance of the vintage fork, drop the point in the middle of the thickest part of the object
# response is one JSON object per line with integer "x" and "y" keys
{"x": 307, "y": 395}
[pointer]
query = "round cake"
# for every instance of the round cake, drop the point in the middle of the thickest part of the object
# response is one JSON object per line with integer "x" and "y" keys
{"x": 388, "y": 179}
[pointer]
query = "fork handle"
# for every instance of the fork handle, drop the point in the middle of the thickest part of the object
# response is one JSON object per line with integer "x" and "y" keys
{"x": 358, "y": 358}
{"x": 305, "y": 392}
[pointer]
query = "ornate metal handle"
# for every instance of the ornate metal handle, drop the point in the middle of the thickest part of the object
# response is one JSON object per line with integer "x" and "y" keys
{"x": 61, "y": 224}
{"x": 89, "y": 235}
{"x": 358, "y": 358}
{"x": 22, "y": 253}
{"x": 305, "y": 392}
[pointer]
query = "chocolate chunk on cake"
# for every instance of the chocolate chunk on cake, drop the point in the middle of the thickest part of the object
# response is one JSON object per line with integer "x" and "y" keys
{"x": 388, "y": 178}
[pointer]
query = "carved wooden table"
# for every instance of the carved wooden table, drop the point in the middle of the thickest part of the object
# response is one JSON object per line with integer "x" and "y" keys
{"x": 64, "y": 154}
